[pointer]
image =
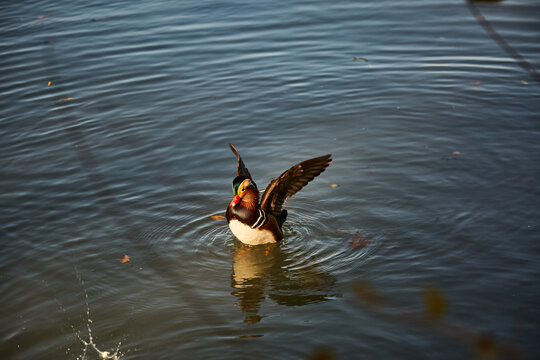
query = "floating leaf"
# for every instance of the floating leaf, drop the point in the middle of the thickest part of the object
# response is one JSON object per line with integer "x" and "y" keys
{"x": 359, "y": 58}
{"x": 524, "y": 82}
{"x": 125, "y": 259}
{"x": 334, "y": 185}
{"x": 49, "y": 83}
{"x": 66, "y": 99}
{"x": 359, "y": 242}
{"x": 217, "y": 217}
{"x": 435, "y": 302}
{"x": 456, "y": 153}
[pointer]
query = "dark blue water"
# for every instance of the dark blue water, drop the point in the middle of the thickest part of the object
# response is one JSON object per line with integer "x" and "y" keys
{"x": 420, "y": 241}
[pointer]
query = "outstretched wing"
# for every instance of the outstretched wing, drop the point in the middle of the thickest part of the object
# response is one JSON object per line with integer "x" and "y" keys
{"x": 241, "y": 169}
{"x": 291, "y": 181}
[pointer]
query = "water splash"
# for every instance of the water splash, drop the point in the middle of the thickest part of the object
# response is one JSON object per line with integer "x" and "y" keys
{"x": 90, "y": 344}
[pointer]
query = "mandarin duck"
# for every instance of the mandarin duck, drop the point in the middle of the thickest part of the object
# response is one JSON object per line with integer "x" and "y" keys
{"x": 254, "y": 222}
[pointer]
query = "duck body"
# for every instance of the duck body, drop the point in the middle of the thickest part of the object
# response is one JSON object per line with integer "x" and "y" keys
{"x": 246, "y": 234}
{"x": 255, "y": 222}
{"x": 248, "y": 222}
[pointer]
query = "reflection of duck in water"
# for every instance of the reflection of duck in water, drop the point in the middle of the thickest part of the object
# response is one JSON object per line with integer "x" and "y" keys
{"x": 254, "y": 223}
{"x": 267, "y": 270}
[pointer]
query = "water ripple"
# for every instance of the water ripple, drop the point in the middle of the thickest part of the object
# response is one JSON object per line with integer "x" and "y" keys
{"x": 160, "y": 88}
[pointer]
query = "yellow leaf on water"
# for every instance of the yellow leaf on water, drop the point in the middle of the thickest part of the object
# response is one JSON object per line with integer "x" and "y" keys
{"x": 434, "y": 301}
{"x": 125, "y": 259}
{"x": 217, "y": 217}
{"x": 334, "y": 185}
{"x": 456, "y": 153}
{"x": 49, "y": 83}
{"x": 66, "y": 99}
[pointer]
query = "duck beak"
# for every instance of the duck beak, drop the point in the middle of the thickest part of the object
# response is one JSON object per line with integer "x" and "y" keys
{"x": 235, "y": 200}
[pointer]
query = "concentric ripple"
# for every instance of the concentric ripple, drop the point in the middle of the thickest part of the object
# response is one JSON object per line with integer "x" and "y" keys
{"x": 314, "y": 237}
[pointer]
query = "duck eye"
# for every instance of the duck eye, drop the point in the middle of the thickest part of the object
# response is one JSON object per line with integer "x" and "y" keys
{"x": 243, "y": 189}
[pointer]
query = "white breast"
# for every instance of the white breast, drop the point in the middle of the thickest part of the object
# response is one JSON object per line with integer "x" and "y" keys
{"x": 250, "y": 236}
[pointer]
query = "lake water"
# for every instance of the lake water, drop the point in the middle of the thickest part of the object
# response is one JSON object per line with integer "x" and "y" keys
{"x": 420, "y": 241}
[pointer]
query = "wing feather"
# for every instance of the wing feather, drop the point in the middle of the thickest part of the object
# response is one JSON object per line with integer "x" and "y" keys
{"x": 291, "y": 181}
{"x": 241, "y": 169}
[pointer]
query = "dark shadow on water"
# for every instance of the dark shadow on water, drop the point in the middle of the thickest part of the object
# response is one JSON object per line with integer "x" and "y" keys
{"x": 475, "y": 11}
{"x": 265, "y": 271}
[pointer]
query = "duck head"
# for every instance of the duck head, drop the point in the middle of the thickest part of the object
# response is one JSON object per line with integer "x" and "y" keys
{"x": 245, "y": 191}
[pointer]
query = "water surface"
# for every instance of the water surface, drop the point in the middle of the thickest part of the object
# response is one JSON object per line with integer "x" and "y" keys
{"x": 436, "y": 146}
